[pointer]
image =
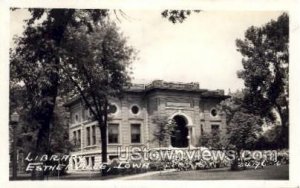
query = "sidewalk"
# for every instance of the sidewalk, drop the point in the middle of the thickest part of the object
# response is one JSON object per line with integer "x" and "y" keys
{"x": 131, "y": 177}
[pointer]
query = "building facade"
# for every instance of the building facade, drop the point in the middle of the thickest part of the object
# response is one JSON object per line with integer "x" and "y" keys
{"x": 131, "y": 119}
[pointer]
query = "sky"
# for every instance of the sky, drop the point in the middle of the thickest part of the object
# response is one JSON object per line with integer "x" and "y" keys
{"x": 201, "y": 49}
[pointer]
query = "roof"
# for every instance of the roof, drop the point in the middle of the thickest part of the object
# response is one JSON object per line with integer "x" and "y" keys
{"x": 167, "y": 86}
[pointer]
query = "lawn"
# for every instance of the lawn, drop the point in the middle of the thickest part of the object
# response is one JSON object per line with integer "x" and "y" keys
{"x": 267, "y": 173}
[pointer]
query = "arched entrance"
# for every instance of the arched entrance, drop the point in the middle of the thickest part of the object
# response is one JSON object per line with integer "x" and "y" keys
{"x": 179, "y": 137}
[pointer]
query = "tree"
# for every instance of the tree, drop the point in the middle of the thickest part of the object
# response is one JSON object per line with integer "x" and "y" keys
{"x": 59, "y": 142}
{"x": 28, "y": 128}
{"x": 265, "y": 74}
{"x": 271, "y": 139}
{"x": 96, "y": 64}
{"x": 36, "y": 59}
{"x": 164, "y": 129}
{"x": 243, "y": 133}
{"x": 243, "y": 127}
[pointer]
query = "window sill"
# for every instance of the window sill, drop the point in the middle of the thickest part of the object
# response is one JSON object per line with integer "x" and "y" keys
{"x": 114, "y": 144}
{"x": 75, "y": 124}
{"x": 136, "y": 144}
{"x": 91, "y": 146}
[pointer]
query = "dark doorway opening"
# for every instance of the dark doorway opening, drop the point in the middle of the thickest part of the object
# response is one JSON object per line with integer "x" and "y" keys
{"x": 179, "y": 136}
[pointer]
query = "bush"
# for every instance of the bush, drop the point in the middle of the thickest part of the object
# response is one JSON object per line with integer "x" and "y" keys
{"x": 156, "y": 166}
{"x": 124, "y": 168}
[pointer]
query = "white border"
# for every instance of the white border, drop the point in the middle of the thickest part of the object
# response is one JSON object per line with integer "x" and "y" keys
{"x": 291, "y": 5}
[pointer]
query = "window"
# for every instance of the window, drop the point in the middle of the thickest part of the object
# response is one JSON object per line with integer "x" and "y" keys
{"x": 214, "y": 112}
{"x": 215, "y": 129}
{"x": 79, "y": 137}
{"x": 93, "y": 161}
{"x": 94, "y": 135}
{"x": 88, "y": 137}
{"x": 135, "y": 133}
{"x": 74, "y": 138}
{"x": 76, "y": 118}
{"x": 112, "y": 109}
{"x": 113, "y": 133}
{"x": 135, "y": 109}
{"x": 87, "y": 161}
{"x": 202, "y": 131}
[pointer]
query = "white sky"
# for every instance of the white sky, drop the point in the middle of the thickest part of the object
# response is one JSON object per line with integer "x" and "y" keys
{"x": 201, "y": 49}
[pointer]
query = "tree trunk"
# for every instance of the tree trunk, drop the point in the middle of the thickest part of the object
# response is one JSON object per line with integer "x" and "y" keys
{"x": 235, "y": 163}
{"x": 44, "y": 115}
{"x": 42, "y": 146}
{"x": 284, "y": 134}
{"x": 103, "y": 131}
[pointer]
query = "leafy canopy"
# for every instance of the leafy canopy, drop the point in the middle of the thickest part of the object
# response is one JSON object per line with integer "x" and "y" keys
{"x": 265, "y": 74}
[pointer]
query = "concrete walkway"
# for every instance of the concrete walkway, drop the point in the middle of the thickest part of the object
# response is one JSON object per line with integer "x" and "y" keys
{"x": 132, "y": 177}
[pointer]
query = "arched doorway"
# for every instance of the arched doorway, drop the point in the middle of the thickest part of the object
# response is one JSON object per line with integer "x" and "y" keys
{"x": 179, "y": 137}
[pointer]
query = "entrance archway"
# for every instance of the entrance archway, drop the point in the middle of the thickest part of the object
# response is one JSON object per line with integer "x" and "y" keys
{"x": 179, "y": 137}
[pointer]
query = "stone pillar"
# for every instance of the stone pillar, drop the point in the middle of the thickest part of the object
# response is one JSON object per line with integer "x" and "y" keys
{"x": 90, "y": 161}
{"x": 75, "y": 163}
{"x": 190, "y": 135}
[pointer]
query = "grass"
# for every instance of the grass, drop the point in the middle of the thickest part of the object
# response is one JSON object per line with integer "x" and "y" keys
{"x": 267, "y": 173}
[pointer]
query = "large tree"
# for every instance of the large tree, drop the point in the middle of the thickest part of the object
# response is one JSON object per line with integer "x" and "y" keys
{"x": 28, "y": 128}
{"x": 35, "y": 61}
{"x": 96, "y": 64}
{"x": 61, "y": 48}
{"x": 265, "y": 74}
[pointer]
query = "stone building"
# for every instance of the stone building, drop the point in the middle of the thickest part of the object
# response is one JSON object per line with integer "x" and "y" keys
{"x": 130, "y": 124}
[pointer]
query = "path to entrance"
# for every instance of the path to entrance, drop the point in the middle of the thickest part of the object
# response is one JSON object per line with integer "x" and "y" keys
{"x": 141, "y": 176}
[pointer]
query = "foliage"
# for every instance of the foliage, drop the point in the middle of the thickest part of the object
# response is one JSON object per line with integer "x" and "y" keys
{"x": 36, "y": 59}
{"x": 244, "y": 129}
{"x": 97, "y": 64}
{"x": 265, "y": 74}
{"x": 164, "y": 129}
{"x": 59, "y": 130}
{"x": 272, "y": 139}
{"x": 62, "y": 48}
{"x": 27, "y": 128}
{"x": 175, "y": 16}
{"x": 213, "y": 141}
